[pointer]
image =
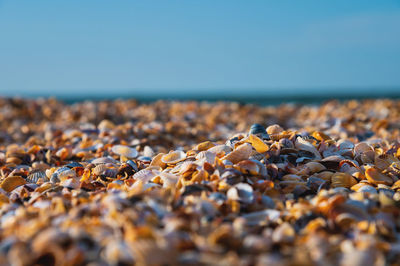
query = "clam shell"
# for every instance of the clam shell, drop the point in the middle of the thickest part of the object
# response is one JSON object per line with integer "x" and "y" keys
{"x": 169, "y": 180}
{"x": 241, "y": 153}
{"x": 173, "y": 157}
{"x": 125, "y": 151}
{"x": 302, "y": 144}
{"x": 342, "y": 180}
{"x": 274, "y": 129}
{"x": 374, "y": 176}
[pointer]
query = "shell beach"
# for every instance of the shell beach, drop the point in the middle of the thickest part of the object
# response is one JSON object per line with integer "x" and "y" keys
{"x": 194, "y": 183}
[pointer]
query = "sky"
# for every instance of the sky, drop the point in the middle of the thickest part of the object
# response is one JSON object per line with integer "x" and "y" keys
{"x": 97, "y": 46}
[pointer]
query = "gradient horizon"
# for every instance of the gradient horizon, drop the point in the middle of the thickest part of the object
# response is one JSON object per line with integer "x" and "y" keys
{"x": 78, "y": 47}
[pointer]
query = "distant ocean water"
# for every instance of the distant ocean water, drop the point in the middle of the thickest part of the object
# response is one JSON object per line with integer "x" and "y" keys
{"x": 253, "y": 96}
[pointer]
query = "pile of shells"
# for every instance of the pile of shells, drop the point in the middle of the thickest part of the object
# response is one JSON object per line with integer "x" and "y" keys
{"x": 122, "y": 183}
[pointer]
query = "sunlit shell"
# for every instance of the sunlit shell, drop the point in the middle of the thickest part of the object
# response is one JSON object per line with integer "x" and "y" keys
{"x": 342, "y": 180}
{"x": 169, "y": 180}
{"x": 173, "y": 157}
{"x": 242, "y": 152}
{"x": 257, "y": 143}
{"x": 145, "y": 175}
{"x": 220, "y": 150}
{"x": 314, "y": 167}
{"x": 205, "y": 156}
{"x": 125, "y": 151}
{"x": 11, "y": 182}
{"x": 374, "y": 176}
{"x": 204, "y": 146}
{"x": 156, "y": 161}
{"x": 64, "y": 172}
{"x": 302, "y": 144}
{"x": 241, "y": 192}
{"x": 320, "y": 136}
{"x": 248, "y": 167}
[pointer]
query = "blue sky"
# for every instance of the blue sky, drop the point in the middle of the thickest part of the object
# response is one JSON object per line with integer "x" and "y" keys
{"x": 97, "y": 46}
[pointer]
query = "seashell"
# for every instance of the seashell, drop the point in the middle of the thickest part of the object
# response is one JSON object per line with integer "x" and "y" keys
{"x": 125, "y": 151}
{"x": 148, "y": 151}
{"x": 241, "y": 153}
{"x": 169, "y": 180}
{"x": 362, "y": 147}
{"x": 11, "y": 182}
{"x": 64, "y": 172}
{"x": 241, "y": 192}
{"x": 342, "y": 180}
{"x": 145, "y": 175}
{"x": 248, "y": 167}
{"x": 156, "y": 161}
{"x": 284, "y": 233}
{"x": 72, "y": 183}
{"x": 204, "y": 146}
{"x": 257, "y": 143}
{"x": 274, "y": 129}
{"x": 106, "y": 125}
{"x": 285, "y": 143}
{"x": 384, "y": 161}
{"x": 257, "y": 129}
{"x": 345, "y": 145}
{"x": 320, "y": 136}
{"x": 261, "y": 217}
{"x": 374, "y": 176}
{"x": 314, "y": 167}
{"x": 302, "y": 144}
{"x": 220, "y": 150}
{"x": 205, "y": 156}
{"x": 36, "y": 175}
{"x": 173, "y": 157}
{"x": 104, "y": 160}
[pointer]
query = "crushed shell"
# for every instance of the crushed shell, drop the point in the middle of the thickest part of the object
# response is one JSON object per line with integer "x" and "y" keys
{"x": 195, "y": 183}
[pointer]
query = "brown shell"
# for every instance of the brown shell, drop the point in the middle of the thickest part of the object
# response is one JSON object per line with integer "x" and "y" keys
{"x": 342, "y": 180}
{"x": 241, "y": 153}
{"x": 374, "y": 176}
{"x": 11, "y": 182}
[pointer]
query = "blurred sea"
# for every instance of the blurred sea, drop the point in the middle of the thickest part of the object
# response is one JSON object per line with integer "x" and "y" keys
{"x": 246, "y": 95}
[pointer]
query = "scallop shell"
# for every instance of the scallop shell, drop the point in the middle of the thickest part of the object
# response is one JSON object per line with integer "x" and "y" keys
{"x": 375, "y": 177}
{"x": 169, "y": 180}
{"x": 157, "y": 161}
{"x": 302, "y": 144}
{"x": 145, "y": 175}
{"x": 125, "y": 151}
{"x": 241, "y": 153}
{"x": 173, "y": 157}
{"x": 11, "y": 182}
{"x": 35, "y": 176}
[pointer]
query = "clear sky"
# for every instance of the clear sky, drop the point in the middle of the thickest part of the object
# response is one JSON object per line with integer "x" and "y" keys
{"x": 97, "y": 46}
